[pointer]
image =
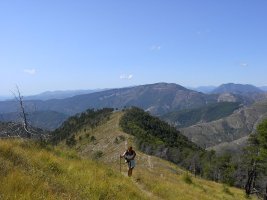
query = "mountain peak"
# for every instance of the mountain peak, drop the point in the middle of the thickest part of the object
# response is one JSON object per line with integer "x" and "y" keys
{"x": 236, "y": 89}
{"x": 167, "y": 85}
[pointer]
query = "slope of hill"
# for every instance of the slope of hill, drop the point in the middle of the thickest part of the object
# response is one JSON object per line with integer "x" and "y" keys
{"x": 234, "y": 147}
{"x": 158, "y": 178}
{"x": 238, "y": 125}
{"x": 12, "y": 129}
{"x": 29, "y": 171}
{"x": 156, "y": 137}
{"x": 185, "y": 118}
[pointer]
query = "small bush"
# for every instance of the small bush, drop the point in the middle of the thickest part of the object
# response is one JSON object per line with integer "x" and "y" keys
{"x": 98, "y": 154}
{"x": 71, "y": 141}
{"x": 187, "y": 178}
{"x": 122, "y": 138}
{"x": 93, "y": 138}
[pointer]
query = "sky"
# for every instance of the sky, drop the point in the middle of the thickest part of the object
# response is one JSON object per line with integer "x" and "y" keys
{"x": 67, "y": 45}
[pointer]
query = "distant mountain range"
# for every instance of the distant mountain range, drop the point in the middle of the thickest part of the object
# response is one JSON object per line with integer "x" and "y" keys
{"x": 60, "y": 94}
{"x": 158, "y": 99}
{"x": 47, "y": 120}
{"x": 3, "y": 98}
{"x": 224, "y": 88}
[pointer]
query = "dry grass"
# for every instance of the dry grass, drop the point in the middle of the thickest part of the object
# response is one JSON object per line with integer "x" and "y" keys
{"x": 30, "y": 172}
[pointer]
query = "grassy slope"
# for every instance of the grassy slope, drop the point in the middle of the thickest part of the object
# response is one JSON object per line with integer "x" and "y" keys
{"x": 157, "y": 178}
{"x": 28, "y": 171}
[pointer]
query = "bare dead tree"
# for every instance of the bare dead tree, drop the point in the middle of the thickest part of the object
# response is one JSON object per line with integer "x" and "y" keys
{"x": 19, "y": 98}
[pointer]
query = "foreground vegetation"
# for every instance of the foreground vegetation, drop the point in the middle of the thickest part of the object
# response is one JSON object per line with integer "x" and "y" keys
{"x": 29, "y": 171}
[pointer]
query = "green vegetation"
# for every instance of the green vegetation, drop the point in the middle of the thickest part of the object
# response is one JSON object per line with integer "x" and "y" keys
{"x": 156, "y": 137}
{"x": 256, "y": 160}
{"x": 91, "y": 118}
{"x": 153, "y": 136}
{"x": 71, "y": 141}
{"x": 97, "y": 155}
{"x": 185, "y": 118}
{"x": 187, "y": 178}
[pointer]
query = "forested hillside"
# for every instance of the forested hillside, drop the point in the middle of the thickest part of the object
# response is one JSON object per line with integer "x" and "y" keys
{"x": 228, "y": 129}
{"x": 207, "y": 113}
{"x": 156, "y": 137}
{"x": 90, "y": 118}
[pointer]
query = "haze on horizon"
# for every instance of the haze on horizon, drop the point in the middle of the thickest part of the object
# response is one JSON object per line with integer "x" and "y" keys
{"x": 68, "y": 45}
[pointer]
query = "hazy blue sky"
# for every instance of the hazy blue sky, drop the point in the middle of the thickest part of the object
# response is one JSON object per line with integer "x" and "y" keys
{"x": 52, "y": 45}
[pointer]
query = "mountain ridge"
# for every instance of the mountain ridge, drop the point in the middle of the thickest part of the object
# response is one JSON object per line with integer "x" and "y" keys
{"x": 236, "y": 89}
{"x": 157, "y": 98}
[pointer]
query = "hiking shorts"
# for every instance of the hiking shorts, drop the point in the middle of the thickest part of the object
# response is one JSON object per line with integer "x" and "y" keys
{"x": 131, "y": 164}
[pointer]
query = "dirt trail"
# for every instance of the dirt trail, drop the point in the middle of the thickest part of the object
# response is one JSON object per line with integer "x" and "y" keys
{"x": 143, "y": 189}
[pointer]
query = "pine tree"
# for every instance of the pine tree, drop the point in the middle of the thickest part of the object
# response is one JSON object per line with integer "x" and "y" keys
{"x": 256, "y": 158}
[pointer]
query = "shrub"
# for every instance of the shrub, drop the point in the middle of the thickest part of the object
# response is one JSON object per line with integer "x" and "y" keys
{"x": 98, "y": 154}
{"x": 71, "y": 141}
{"x": 93, "y": 138}
{"x": 187, "y": 178}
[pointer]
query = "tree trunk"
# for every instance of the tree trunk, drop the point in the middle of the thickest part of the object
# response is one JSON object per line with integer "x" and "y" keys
{"x": 265, "y": 195}
{"x": 24, "y": 115}
{"x": 251, "y": 179}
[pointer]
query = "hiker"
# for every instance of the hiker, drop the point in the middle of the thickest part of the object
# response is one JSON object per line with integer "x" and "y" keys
{"x": 129, "y": 156}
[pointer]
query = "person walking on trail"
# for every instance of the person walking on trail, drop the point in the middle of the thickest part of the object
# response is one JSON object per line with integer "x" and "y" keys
{"x": 129, "y": 156}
